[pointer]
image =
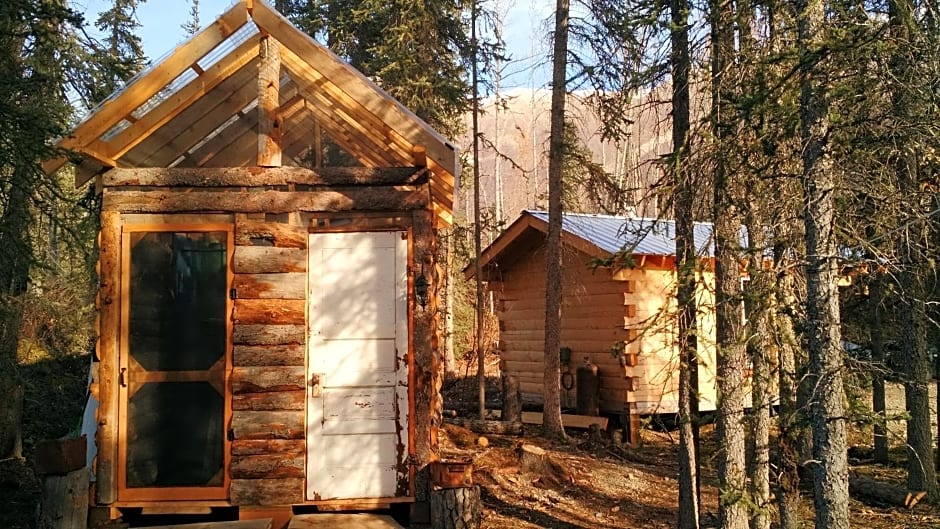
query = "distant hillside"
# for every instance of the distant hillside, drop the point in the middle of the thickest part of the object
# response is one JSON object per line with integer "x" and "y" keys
{"x": 519, "y": 130}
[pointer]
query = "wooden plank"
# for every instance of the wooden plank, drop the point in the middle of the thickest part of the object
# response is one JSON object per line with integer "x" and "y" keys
{"x": 269, "y": 119}
{"x": 196, "y": 123}
{"x": 180, "y": 100}
{"x": 270, "y": 401}
{"x": 155, "y": 79}
{"x": 275, "y": 202}
{"x": 268, "y": 334}
{"x": 267, "y": 378}
{"x": 343, "y": 521}
{"x": 241, "y": 147}
{"x": 270, "y": 286}
{"x": 271, "y": 311}
{"x": 345, "y": 114}
{"x": 268, "y": 466}
{"x": 268, "y": 446}
{"x": 262, "y": 523}
{"x": 269, "y": 355}
{"x": 110, "y": 323}
{"x": 268, "y": 424}
{"x": 350, "y": 139}
{"x": 263, "y": 176}
{"x": 267, "y": 491}
{"x": 569, "y": 420}
{"x": 268, "y": 260}
{"x": 260, "y": 233}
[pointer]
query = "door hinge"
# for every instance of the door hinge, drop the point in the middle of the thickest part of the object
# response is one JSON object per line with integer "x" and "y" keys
{"x": 233, "y": 293}
{"x": 230, "y": 434}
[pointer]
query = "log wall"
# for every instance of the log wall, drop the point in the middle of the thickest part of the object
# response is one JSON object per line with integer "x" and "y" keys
{"x": 267, "y": 382}
{"x": 631, "y": 312}
{"x": 268, "y": 376}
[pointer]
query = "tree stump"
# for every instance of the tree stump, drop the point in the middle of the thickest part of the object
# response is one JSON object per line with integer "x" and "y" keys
{"x": 459, "y": 508}
{"x": 512, "y": 399}
{"x": 533, "y": 459}
{"x": 65, "y": 501}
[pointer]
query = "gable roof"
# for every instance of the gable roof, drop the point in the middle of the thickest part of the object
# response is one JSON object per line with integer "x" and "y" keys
{"x": 196, "y": 107}
{"x": 598, "y": 236}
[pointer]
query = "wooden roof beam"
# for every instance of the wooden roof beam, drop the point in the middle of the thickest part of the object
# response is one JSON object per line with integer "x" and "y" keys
{"x": 269, "y": 119}
{"x": 267, "y": 176}
{"x": 238, "y": 151}
{"x": 168, "y": 109}
{"x": 146, "y": 86}
{"x": 367, "y": 154}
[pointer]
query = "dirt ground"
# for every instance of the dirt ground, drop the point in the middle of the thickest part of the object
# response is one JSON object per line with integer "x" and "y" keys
{"x": 594, "y": 485}
{"x": 591, "y": 485}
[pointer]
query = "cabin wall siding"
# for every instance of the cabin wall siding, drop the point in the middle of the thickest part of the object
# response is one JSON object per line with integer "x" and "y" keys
{"x": 267, "y": 381}
{"x": 268, "y": 374}
{"x": 598, "y": 312}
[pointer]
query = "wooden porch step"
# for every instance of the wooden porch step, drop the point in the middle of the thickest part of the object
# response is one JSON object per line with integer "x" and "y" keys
{"x": 264, "y": 523}
{"x": 342, "y": 521}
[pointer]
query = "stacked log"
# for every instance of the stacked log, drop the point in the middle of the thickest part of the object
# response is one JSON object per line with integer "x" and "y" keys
{"x": 268, "y": 375}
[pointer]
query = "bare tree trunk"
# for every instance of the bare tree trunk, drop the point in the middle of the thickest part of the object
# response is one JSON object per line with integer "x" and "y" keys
{"x": 551, "y": 421}
{"x": 726, "y": 214}
{"x": 788, "y": 423}
{"x": 921, "y": 473}
{"x": 686, "y": 260}
{"x": 14, "y": 275}
{"x": 477, "y": 228}
{"x": 757, "y": 343}
{"x": 878, "y": 404}
{"x": 830, "y": 467}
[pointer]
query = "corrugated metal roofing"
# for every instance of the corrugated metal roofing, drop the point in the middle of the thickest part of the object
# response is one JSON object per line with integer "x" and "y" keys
{"x": 637, "y": 235}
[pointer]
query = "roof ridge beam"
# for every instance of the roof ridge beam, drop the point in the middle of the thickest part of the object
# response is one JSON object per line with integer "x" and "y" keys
{"x": 269, "y": 118}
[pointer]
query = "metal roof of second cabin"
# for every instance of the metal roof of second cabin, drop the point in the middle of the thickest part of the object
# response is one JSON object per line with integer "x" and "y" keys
{"x": 639, "y": 236}
{"x": 598, "y": 235}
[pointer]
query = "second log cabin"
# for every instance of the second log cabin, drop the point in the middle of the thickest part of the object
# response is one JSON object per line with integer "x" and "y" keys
{"x": 618, "y": 313}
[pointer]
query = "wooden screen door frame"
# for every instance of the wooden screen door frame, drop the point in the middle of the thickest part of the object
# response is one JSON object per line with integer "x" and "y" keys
{"x": 196, "y": 493}
{"x": 404, "y": 304}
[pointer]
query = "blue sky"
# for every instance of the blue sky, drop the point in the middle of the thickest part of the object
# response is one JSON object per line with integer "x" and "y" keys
{"x": 524, "y": 22}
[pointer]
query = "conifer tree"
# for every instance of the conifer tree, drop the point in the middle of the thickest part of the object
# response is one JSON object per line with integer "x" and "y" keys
{"x": 122, "y": 54}
{"x": 33, "y": 111}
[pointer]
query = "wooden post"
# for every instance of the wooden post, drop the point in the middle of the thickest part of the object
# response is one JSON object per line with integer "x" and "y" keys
{"x": 109, "y": 306}
{"x": 512, "y": 400}
{"x": 65, "y": 500}
{"x": 631, "y": 426}
{"x": 269, "y": 89}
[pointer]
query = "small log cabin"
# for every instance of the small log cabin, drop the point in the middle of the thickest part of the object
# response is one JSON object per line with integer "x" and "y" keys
{"x": 266, "y": 319}
{"x": 621, "y": 319}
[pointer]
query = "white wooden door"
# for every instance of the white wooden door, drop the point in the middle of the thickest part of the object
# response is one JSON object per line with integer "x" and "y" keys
{"x": 357, "y": 389}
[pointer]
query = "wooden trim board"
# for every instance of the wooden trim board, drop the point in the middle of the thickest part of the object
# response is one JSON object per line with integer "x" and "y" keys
{"x": 570, "y": 421}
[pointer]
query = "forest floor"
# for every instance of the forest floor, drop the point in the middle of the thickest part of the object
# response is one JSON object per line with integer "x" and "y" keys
{"x": 592, "y": 484}
{"x": 598, "y": 485}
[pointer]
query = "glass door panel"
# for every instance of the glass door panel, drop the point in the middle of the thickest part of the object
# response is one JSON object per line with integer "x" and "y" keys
{"x": 174, "y": 362}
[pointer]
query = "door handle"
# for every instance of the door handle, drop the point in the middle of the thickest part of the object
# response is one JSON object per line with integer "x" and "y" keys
{"x": 316, "y": 385}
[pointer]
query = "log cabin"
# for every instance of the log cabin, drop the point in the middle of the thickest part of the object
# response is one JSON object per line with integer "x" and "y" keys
{"x": 618, "y": 314}
{"x": 266, "y": 316}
